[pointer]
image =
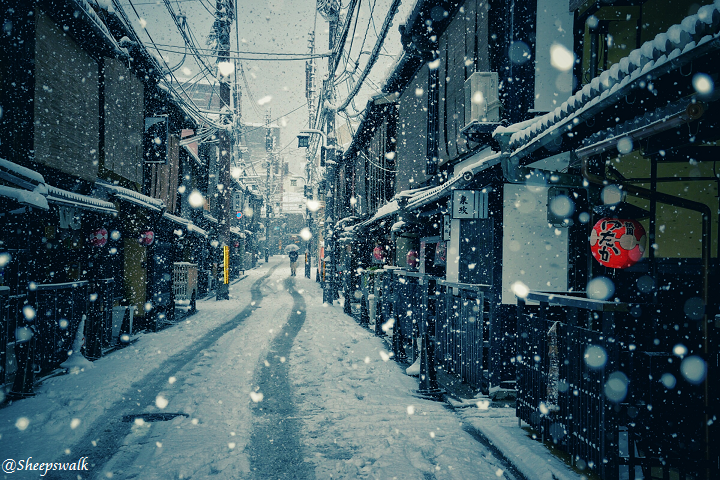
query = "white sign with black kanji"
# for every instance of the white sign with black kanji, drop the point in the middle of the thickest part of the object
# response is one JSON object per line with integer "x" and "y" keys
{"x": 469, "y": 204}
{"x": 463, "y": 205}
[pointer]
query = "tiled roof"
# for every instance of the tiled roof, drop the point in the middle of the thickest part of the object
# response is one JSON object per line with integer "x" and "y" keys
{"x": 693, "y": 31}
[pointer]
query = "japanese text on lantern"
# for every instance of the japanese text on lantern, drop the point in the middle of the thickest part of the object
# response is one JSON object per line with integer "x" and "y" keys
{"x": 617, "y": 243}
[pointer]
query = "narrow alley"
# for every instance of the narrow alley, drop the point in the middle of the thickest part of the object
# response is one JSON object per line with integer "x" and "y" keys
{"x": 269, "y": 384}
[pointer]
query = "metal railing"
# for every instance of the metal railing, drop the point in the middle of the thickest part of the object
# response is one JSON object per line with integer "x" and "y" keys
{"x": 410, "y": 304}
{"x": 591, "y": 381}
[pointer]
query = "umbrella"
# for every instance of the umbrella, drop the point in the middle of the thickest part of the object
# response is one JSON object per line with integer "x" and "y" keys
{"x": 291, "y": 248}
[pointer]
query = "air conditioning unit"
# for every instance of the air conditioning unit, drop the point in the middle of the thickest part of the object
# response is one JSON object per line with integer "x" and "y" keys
{"x": 481, "y": 98}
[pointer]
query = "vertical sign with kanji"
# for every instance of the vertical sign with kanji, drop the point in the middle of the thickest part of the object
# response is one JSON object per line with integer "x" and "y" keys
{"x": 446, "y": 227}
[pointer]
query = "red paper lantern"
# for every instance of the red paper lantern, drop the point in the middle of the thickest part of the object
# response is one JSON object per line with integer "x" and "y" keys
{"x": 617, "y": 243}
{"x": 99, "y": 238}
{"x": 378, "y": 254}
{"x": 412, "y": 259}
{"x": 147, "y": 238}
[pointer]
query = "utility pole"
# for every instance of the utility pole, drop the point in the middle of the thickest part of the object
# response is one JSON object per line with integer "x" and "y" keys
{"x": 331, "y": 11}
{"x": 268, "y": 184}
{"x": 310, "y": 96}
{"x": 225, "y": 10}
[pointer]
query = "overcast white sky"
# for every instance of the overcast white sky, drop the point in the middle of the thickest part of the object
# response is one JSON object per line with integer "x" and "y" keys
{"x": 276, "y": 26}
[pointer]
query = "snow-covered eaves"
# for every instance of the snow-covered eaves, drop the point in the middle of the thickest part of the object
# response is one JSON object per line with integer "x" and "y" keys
{"x": 209, "y": 217}
{"x": 694, "y": 36}
{"x": 82, "y": 22}
{"x": 187, "y": 224}
{"x": 19, "y": 175}
{"x": 461, "y": 179}
{"x": 65, "y": 198}
{"x": 237, "y": 231}
{"x": 24, "y": 197}
{"x": 386, "y": 210}
{"x": 131, "y": 196}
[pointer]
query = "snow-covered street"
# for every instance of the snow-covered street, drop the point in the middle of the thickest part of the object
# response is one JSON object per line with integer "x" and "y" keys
{"x": 270, "y": 384}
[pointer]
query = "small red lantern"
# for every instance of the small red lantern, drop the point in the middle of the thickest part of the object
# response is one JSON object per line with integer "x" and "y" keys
{"x": 617, "y": 243}
{"x": 147, "y": 238}
{"x": 99, "y": 238}
{"x": 378, "y": 254}
{"x": 412, "y": 259}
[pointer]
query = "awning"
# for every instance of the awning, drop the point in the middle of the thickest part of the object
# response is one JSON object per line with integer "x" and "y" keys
{"x": 133, "y": 197}
{"x": 65, "y": 198}
{"x": 386, "y": 210}
{"x": 24, "y": 197}
{"x": 186, "y": 224}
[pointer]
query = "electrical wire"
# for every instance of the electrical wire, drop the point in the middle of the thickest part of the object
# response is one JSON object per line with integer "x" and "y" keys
{"x": 176, "y": 50}
{"x": 343, "y": 38}
{"x": 278, "y": 118}
{"x": 192, "y": 108}
{"x": 246, "y": 52}
{"x": 374, "y": 55}
{"x": 376, "y": 165}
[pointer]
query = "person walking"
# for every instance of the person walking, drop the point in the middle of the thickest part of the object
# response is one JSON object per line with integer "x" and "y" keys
{"x": 293, "y": 262}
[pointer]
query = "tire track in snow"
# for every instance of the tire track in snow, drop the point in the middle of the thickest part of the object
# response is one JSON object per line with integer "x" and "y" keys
{"x": 275, "y": 449}
{"x": 109, "y": 431}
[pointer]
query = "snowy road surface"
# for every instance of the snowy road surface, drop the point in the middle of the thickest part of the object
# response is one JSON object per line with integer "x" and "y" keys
{"x": 270, "y": 384}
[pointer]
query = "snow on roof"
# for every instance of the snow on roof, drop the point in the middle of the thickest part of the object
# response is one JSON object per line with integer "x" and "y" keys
{"x": 63, "y": 197}
{"x": 680, "y": 39}
{"x": 188, "y": 224}
{"x": 133, "y": 197}
{"x": 458, "y": 180}
{"x": 238, "y": 232}
{"x": 24, "y": 197}
{"x": 209, "y": 217}
{"x": 20, "y": 175}
{"x": 101, "y": 26}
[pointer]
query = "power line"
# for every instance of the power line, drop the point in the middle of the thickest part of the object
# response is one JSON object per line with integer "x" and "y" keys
{"x": 247, "y": 52}
{"x": 193, "y": 108}
{"x": 374, "y": 55}
{"x": 278, "y": 118}
{"x": 175, "y": 50}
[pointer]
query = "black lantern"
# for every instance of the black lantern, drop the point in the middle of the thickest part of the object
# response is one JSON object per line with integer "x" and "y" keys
{"x": 303, "y": 141}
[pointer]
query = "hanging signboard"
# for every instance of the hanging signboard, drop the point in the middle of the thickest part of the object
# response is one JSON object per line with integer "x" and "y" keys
{"x": 469, "y": 204}
{"x": 446, "y": 227}
{"x": 155, "y": 141}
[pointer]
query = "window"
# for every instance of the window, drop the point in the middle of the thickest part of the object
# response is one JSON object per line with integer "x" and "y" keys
{"x": 293, "y": 183}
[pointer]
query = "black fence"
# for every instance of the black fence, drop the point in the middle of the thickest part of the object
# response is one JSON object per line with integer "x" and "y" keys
{"x": 461, "y": 331}
{"x": 457, "y": 317}
{"x": 587, "y": 381}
